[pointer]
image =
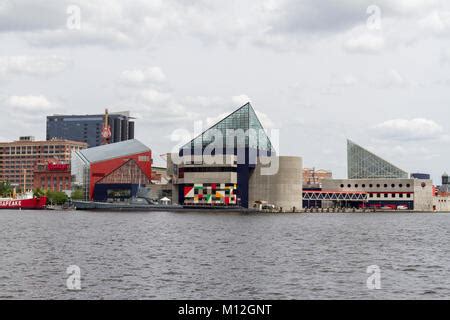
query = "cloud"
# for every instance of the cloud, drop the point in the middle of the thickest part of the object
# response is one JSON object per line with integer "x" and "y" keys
{"x": 153, "y": 104}
{"x": 29, "y": 103}
{"x": 116, "y": 23}
{"x": 365, "y": 43}
{"x": 445, "y": 56}
{"x": 409, "y": 130}
{"x": 29, "y": 15}
{"x": 144, "y": 76}
{"x": 157, "y": 105}
{"x": 25, "y": 114}
{"x": 32, "y": 65}
{"x": 392, "y": 79}
{"x": 281, "y": 24}
{"x": 240, "y": 100}
{"x": 312, "y": 16}
{"x": 437, "y": 22}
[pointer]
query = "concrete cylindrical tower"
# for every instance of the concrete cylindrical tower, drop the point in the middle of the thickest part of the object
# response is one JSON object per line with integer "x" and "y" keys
{"x": 282, "y": 188}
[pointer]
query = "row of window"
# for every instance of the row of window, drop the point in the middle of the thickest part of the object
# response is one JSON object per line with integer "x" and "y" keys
{"x": 36, "y": 149}
{"x": 390, "y": 195}
{"x": 400, "y": 185}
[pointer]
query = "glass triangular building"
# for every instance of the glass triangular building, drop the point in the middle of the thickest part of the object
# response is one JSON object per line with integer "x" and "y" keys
{"x": 363, "y": 164}
{"x": 244, "y": 119}
{"x": 240, "y": 134}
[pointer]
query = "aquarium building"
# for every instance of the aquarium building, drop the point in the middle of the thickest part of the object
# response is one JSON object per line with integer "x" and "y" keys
{"x": 233, "y": 163}
{"x": 363, "y": 164}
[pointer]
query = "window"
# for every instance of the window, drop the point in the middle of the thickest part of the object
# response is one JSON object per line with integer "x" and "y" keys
{"x": 393, "y": 185}
{"x": 385, "y": 195}
{"x": 356, "y": 186}
{"x": 408, "y": 195}
{"x": 378, "y": 195}
{"x": 393, "y": 195}
{"x": 342, "y": 185}
{"x": 378, "y": 185}
{"x": 370, "y": 185}
{"x": 400, "y": 185}
{"x": 363, "y": 186}
{"x": 349, "y": 186}
{"x": 408, "y": 185}
{"x": 401, "y": 195}
{"x": 144, "y": 158}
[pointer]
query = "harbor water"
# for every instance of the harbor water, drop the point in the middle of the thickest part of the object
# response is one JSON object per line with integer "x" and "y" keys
{"x": 164, "y": 255}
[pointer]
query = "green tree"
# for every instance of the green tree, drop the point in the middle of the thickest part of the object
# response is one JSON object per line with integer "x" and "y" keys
{"x": 56, "y": 197}
{"x": 77, "y": 194}
{"x": 5, "y": 189}
{"x": 38, "y": 192}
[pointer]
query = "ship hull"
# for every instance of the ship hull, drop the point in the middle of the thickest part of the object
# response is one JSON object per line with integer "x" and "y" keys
{"x": 26, "y": 204}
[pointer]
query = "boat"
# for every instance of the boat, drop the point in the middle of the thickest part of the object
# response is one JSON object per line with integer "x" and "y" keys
{"x": 26, "y": 201}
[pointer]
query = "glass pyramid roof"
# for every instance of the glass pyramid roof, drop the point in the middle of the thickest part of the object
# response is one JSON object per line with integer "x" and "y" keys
{"x": 363, "y": 164}
{"x": 243, "y": 120}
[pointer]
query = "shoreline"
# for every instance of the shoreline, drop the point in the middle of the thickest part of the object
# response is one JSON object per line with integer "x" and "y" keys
{"x": 100, "y": 206}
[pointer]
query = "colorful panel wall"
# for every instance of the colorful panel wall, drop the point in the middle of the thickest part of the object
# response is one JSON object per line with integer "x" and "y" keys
{"x": 211, "y": 193}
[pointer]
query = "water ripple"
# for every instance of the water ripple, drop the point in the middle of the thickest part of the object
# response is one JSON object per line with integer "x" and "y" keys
{"x": 223, "y": 256}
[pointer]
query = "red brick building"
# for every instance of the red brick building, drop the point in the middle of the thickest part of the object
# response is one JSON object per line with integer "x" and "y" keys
{"x": 19, "y": 159}
{"x": 52, "y": 175}
{"x": 311, "y": 176}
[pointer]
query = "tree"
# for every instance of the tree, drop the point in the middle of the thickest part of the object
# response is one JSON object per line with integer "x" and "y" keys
{"x": 5, "y": 189}
{"x": 38, "y": 192}
{"x": 56, "y": 197}
{"x": 77, "y": 194}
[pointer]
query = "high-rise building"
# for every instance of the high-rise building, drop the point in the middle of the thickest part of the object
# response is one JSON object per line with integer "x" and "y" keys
{"x": 363, "y": 164}
{"x": 88, "y": 128}
{"x": 19, "y": 159}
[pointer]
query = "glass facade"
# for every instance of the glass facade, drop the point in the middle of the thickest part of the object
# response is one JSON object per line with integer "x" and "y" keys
{"x": 362, "y": 164}
{"x": 241, "y": 129}
{"x": 240, "y": 134}
{"x": 88, "y": 128}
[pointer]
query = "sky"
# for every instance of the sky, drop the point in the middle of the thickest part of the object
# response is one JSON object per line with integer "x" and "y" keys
{"x": 316, "y": 72}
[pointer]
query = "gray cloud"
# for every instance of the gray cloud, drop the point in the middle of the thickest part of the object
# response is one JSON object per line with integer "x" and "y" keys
{"x": 32, "y": 65}
{"x": 279, "y": 24}
{"x": 409, "y": 130}
{"x": 28, "y": 15}
{"x": 312, "y": 68}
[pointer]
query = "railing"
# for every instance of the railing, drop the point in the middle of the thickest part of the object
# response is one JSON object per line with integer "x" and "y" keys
{"x": 335, "y": 196}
